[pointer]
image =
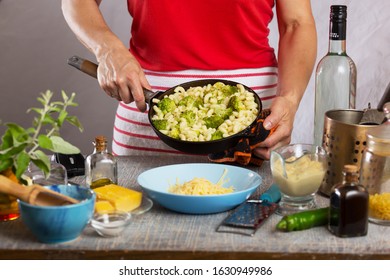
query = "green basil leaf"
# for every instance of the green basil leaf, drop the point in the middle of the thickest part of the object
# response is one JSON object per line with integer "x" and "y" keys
{"x": 41, "y": 160}
{"x": 22, "y": 163}
{"x": 48, "y": 120}
{"x": 62, "y": 146}
{"x": 6, "y": 140}
{"x": 45, "y": 142}
{"x": 75, "y": 122}
{"x": 5, "y": 164}
{"x": 64, "y": 96}
{"x": 62, "y": 117}
{"x": 14, "y": 150}
{"x": 37, "y": 110}
{"x": 18, "y": 133}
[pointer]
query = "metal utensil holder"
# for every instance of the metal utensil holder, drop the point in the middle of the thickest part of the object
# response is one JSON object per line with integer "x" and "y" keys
{"x": 344, "y": 140}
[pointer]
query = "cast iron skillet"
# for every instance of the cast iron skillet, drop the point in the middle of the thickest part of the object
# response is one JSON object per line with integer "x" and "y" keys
{"x": 192, "y": 147}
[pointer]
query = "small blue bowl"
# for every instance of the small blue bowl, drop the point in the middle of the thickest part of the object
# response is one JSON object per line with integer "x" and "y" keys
{"x": 155, "y": 182}
{"x": 55, "y": 224}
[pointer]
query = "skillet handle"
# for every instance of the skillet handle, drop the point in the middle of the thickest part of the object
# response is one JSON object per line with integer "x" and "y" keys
{"x": 84, "y": 65}
{"x": 90, "y": 68}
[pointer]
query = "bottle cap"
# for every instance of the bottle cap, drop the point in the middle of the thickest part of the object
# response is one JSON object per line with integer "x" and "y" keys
{"x": 100, "y": 138}
{"x": 338, "y": 12}
{"x": 350, "y": 168}
{"x": 100, "y": 142}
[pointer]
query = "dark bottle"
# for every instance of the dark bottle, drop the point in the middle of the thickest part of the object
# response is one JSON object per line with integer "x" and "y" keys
{"x": 100, "y": 166}
{"x": 348, "y": 215}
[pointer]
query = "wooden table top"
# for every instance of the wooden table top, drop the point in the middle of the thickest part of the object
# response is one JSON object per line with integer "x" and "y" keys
{"x": 163, "y": 234}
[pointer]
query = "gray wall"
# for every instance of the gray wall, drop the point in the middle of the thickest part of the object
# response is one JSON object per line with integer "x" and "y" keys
{"x": 35, "y": 43}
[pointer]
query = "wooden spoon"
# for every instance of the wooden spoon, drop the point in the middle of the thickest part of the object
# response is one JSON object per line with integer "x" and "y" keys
{"x": 34, "y": 194}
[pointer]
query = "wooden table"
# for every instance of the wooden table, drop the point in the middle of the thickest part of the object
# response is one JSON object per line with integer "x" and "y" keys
{"x": 162, "y": 234}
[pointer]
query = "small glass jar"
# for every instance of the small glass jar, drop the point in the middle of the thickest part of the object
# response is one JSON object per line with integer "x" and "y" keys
{"x": 57, "y": 175}
{"x": 101, "y": 166}
{"x": 375, "y": 170}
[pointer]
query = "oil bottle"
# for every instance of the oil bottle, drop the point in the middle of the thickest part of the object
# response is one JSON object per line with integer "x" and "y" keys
{"x": 348, "y": 215}
{"x": 100, "y": 166}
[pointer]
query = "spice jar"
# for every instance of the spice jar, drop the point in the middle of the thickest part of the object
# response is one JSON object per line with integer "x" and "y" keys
{"x": 375, "y": 170}
{"x": 348, "y": 216}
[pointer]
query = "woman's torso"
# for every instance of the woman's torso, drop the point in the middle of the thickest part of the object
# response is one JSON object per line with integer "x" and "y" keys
{"x": 171, "y": 35}
{"x": 177, "y": 41}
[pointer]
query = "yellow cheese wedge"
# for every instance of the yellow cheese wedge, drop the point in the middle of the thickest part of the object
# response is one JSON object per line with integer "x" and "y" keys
{"x": 121, "y": 198}
{"x": 102, "y": 206}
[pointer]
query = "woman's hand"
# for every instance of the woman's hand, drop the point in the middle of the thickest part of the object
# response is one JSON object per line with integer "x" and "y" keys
{"x": 282, "y": 118}
{"x": 119, "y": 73}
{"x": 121, "y": 77}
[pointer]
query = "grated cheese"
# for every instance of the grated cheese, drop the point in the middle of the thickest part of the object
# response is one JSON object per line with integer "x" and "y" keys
{"x": 201, "y": 186}
{"x": 379, "y": 205}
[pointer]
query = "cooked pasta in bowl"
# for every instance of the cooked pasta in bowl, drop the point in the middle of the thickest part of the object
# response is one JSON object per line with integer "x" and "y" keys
{"x": 199, "y": 188}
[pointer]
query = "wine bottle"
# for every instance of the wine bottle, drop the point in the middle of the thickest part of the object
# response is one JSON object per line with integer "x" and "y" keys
{"x": 335, "y": 79}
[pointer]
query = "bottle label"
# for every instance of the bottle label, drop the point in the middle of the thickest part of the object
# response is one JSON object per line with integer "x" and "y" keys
{"x": 338, "y": 30}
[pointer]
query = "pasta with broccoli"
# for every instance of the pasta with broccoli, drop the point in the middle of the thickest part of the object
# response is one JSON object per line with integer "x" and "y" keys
{"x": 205, "y": 113}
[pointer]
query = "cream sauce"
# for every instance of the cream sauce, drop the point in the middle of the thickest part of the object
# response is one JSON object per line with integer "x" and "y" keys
{"x": 304, "y": 176}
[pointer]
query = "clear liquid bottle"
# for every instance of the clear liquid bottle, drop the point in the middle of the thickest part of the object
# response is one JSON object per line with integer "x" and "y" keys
{"x": 335, "y": 79}
{"x": 348, "y": 215}
{"x": 100, "y": 166}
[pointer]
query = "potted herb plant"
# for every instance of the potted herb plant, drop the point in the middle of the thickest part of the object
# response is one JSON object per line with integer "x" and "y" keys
{"x": 21, "y": 147}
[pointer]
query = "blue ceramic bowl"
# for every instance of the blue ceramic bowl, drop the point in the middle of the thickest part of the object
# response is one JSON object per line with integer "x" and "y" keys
{"x": 155, "y": 182}
{"x": 55, "y": 224}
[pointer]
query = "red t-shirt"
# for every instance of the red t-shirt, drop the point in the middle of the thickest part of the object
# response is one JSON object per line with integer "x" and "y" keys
{"x": 172, "y": 35}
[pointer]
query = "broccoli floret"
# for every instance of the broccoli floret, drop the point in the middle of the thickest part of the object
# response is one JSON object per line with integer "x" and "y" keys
{"x": 187, "y": 101}
{"x": 236, "y": 104}
{"x": 174, "y": 133}
{"x": 190, "y": 101}
{"x": 229, "y": 90}
{"x": 160, "y": 124}
{"x": 214, "y": 121}
{"x": 224, "y": 113}
{"x": 217, "y": 135}
{"x": 198, "y": 102}
{"x": 166, "y": 105}
{"x": 189, "y": 116}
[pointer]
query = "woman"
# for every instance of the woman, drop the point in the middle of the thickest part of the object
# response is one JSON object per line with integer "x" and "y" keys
{"x": 174, "y": 41}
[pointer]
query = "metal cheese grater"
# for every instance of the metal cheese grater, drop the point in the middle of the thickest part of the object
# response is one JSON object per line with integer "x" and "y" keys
{"x": 250, "y": 215}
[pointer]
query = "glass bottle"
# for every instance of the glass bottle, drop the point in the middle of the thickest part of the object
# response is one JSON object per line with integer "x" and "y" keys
{"x": 335, "y": 78}
{"x": 348, "y": 215}
{"x": 375, "y": 170}
{"x": 100, "y": 166}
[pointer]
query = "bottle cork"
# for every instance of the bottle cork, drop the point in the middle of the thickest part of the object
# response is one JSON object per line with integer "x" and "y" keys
{"x": 350, "y": 168}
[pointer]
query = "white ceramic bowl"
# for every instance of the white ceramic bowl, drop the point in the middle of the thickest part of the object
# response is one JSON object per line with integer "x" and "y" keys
{"x": 155, "y": 182}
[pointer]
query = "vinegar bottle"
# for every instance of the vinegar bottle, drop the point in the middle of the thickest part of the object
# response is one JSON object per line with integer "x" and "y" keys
{"x": 348, "y": 216}
{"x": 100, "y": 166}
{"x": 335, "y": 78}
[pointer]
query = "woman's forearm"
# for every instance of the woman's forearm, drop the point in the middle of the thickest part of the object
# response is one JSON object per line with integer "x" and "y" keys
{"x": 86, "y": 21}
{"x": 297, "y": 53}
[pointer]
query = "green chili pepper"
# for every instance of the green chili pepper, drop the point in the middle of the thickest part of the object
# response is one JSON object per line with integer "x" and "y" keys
{"x": 304, "y": 220}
